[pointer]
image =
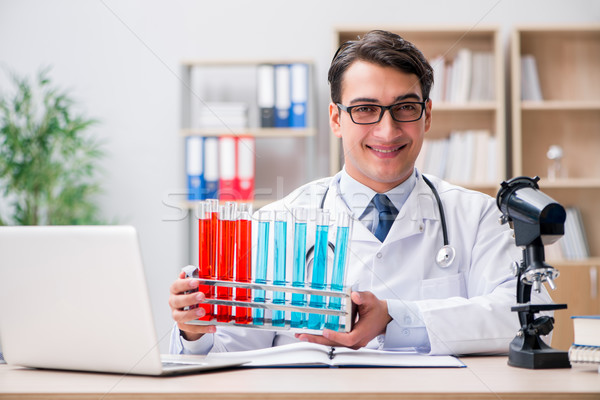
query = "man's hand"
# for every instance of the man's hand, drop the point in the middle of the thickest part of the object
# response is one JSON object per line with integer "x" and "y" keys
{"x": 178, "y": 300}
{"x": 372, "y": 321}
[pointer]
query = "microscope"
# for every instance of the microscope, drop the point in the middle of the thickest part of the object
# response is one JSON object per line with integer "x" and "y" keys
{"x": 537, "y": 220}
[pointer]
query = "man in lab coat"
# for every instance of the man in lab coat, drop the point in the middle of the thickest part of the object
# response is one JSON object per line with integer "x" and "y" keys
{"x": 380, "y": 109}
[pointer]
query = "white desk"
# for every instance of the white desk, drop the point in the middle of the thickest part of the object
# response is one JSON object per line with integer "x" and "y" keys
{"x": 484, "y": 378}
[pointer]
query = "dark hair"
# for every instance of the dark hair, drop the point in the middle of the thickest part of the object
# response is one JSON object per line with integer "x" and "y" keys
{"x": 382, "y": 48}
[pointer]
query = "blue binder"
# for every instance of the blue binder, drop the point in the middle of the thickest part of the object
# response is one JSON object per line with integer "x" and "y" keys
{"x": 194, "y": 167}
{"x": 299, "y": 94}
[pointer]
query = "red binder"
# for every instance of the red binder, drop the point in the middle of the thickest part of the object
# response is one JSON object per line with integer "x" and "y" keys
{"x": 246, "y": 151}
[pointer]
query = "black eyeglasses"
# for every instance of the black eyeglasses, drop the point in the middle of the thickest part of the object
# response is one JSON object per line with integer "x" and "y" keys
{"x": 366, "y": 114}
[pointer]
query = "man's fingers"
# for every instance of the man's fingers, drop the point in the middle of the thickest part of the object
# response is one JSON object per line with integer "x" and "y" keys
{"x": 196, "y": 329}
{"x": 356, "y": 298}
{"x": 184, "y": 285}
{"x": 305, "y": 337}
{"x": 181, "y": 301}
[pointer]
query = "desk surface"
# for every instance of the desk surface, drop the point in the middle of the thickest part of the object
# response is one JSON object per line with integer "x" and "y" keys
{"x": 484, "y": 378}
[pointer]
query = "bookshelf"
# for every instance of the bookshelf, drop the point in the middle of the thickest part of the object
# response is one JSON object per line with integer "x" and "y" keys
{"x": 204, "y": 81}
{"x": 236, "y": 81}
{"x": 462, "y": 115}
{"x": 567, "y": 115}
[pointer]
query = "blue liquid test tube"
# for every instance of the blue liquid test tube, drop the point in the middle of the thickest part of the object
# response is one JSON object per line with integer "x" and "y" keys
{"x": 338, "y": 273}
{"x": 319, "y": 269}
{"x": 280, "y": 231}
{"x": 262, "y": 260}
{"x": 298, "y": 319}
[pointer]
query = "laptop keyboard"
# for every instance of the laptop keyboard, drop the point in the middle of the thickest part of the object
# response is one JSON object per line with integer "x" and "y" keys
{"x": 171, "y": 364}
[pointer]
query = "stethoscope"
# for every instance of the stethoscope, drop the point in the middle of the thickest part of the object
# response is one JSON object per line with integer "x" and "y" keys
{"x": 445, "y": 255}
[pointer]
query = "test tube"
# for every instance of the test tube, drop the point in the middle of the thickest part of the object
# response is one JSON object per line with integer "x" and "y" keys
{"x": 205, "y": 268}
{"x": 243, "y": 257}
{"x": 319, "y": 270}
{"x": 226, "y": 243}
{"x": 338, "y": 273}
{"x": 280, "y": 231}
{"x": 298, "y": 319}
{"x": 213, "y": 209}
{"x": 262, "y": 260}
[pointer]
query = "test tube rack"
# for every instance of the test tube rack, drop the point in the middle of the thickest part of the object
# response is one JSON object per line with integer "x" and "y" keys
{"x": 345, "y": 312}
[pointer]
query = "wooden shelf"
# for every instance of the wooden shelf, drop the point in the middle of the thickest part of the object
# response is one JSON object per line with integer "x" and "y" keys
{"x": 256, "y": 204}
{"x": 205, "y": 82}
{"x": 569, "y": 116}
{"x": 574, "y": 183}
{"x": 561, "y": 105}
{"x": 219, "y": 63}
{"x": 255, "y": 132}
{"x": 558, "y": 264}
{"x": 465, "y": 107}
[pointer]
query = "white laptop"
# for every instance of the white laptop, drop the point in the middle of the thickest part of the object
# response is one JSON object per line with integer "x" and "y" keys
{"x": 75, "y": 298}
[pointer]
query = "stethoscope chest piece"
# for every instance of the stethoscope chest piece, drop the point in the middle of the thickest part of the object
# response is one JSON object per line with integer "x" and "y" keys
{"x": 445, "y": 256}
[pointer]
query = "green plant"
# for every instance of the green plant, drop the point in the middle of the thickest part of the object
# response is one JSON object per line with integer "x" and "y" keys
{"x": 47, "y": 158}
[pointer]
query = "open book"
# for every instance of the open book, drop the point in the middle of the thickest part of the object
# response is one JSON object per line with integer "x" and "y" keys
{"x": 316, "y": 355}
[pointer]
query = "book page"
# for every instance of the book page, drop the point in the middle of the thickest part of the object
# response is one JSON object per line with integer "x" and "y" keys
{"x": 295, "y": 354}
{"x": 311, "y": 354}
{"x": 381, "y": 358}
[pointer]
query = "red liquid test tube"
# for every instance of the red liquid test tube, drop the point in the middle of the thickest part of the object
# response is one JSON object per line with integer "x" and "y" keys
{"x": 243, "y": 258}
{"x": 225, "y": 262}
{"x": 213, "y": 209}
{"x": 205, "y": 267}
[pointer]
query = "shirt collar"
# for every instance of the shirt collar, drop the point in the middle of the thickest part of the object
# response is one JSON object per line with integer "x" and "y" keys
{"x": 358, "y": 196}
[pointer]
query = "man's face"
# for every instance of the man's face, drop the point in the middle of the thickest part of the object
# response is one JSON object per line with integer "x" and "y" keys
{"x": 380, "y": 155}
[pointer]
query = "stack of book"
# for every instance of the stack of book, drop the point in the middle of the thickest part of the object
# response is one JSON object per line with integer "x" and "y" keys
{"x": 283, "y": 95}
{"x": 223, "y": 116}
{"x": 530, "y": 81}
{"x": 469, "y": 77}
{"x": 467, "y": 157}
{"x": 586, "y": 340}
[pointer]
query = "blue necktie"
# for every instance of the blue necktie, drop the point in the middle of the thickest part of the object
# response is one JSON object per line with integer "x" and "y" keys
{"x": 387, "y": 215}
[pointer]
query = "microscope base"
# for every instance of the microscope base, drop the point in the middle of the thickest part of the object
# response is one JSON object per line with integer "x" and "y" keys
{"x": 522, "y": 355}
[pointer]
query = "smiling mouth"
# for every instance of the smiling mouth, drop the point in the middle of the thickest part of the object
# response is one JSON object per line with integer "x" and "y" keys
{"x": 388, "y": 150}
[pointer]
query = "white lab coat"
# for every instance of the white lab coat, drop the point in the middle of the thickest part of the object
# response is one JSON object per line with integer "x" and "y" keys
{"x": 465, "y": 307}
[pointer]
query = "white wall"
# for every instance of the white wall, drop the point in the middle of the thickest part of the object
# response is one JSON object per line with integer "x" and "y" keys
{"x": 121, "y": 60}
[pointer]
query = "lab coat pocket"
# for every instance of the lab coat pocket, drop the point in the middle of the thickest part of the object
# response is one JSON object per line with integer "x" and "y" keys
{"x": 444, "y": 287}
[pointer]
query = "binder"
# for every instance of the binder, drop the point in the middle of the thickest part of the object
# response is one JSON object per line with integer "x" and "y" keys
{"x": 266, "y": 95}
{"x": 194, "y": 168}
{"x": 299, "y": 94}
{"x": 283, "y": 101}
{"x": 227, "y": 168}
{"x": 211, "y": 168}
{"x": 245, "y": 167}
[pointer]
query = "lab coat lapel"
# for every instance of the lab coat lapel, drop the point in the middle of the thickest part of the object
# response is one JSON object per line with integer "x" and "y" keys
{"x": 419, "y": 206}
{"x": 334, "y": 203}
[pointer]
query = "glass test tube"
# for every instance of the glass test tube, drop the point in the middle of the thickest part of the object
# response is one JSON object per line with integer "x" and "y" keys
{"x": 280, "y": 231}
{"x": 226, "y": 243}
{"x": 298, "y": 319}
{"x": 338, "y": 273}
{"x": 213, "y": 209}
{"x": 262, "y": 260}
{"x": 243, "y": 257}
{"x": 205, "y": 268}
{"x": 319, "y": 269}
